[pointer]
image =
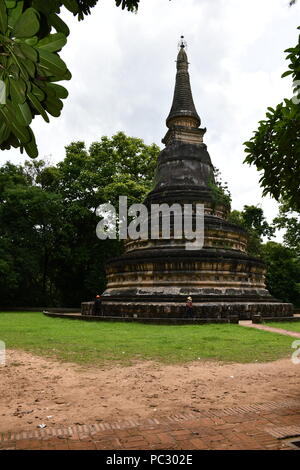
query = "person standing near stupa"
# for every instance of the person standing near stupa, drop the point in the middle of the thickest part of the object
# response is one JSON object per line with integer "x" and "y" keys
{"x": 98, "y": 305}
{"x": 189, "y": 307}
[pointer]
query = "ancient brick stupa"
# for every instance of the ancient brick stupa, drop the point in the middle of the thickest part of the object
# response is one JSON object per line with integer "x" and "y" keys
{"x": 153, "y": 278}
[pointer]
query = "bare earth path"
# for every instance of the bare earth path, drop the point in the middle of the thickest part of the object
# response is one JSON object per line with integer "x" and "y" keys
{"x": 37, "y": 390}
{"x": 280, "y": 331}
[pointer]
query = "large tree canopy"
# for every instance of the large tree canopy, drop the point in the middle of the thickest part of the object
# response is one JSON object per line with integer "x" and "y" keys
{"x": 49, "y": 252}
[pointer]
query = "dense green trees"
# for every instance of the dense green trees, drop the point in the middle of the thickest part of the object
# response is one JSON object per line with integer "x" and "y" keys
{"x": 49, "y": 252}
{"x": 283, "y": 273}
{"x": 282, "y": 261}
{"x": 253, "y": 220}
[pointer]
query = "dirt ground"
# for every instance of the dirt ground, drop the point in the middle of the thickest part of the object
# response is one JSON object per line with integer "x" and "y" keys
{"x": 36, "y": 390}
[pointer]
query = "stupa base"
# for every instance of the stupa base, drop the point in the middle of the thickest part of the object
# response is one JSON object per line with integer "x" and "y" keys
{"x": 213, "y": 310}
{"x": 201, "y": 310}
{"x": 161, "y": 320}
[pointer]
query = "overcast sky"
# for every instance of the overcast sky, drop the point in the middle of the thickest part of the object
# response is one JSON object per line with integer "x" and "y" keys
{"x": 123, "y": 68}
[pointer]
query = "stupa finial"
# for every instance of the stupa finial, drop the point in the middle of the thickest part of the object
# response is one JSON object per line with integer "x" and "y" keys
{"x": 182, "y": 43}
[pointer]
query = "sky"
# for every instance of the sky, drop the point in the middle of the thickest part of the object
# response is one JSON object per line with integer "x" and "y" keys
{"x": 123, "y": 68}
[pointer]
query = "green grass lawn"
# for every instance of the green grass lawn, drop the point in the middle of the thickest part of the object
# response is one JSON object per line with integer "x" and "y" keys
{"x": 103, "y": 342}
{"x": 292, "y": 326}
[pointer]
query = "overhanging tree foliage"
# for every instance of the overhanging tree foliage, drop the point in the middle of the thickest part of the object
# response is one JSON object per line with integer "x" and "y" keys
{"x": 275, "y": 147}
{"x": 32, "y": 34}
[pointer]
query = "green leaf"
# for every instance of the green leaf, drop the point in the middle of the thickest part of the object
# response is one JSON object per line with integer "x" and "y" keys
{"x": 15, "y": 14}
{"x": 38, "y": 92}
{"x": 53, "y": 42}
{"x": 285, "y": 74}
{"x": 4, "y": 132}
{"x": 18, "y": 51}
{"x": 43, "y": 73}
{"x": 45, "y": 6}
{"x": 291, "y": 49}
{"x": 14, "y": 70}
{"x": 31, "y": 147}
{"x": 54, "y": 106}
{"x": 29, "y": 52}
{"x": 67, "y": 76}
{"x": 58, "y": 24}
{"x": 49, "y": 92}
{"x": 37, "y": 105}
{"x": 4, "y": 64}
{"x": 14, "y": 61}
{"x": 32, "y": 41}
{"x": 17, "y": 90}
{"x": 30, "y": 67}
{"x": 28, "y": 24}
{"x": 3, "y": 18}
{"x": 20, "y": 132}
{"x": 60, "y": 91}
{"x": 10, "y": 3}
{"x": 23, "y": 114}
{"x": 10, "y": 141}
{"x": 52, "y": 62}
{"x": 71, "y": 5}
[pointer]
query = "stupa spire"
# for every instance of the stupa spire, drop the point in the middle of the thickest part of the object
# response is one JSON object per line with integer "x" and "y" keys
{"x": 183, "y": 120}
{"x": 183, "y": 110}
